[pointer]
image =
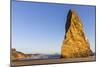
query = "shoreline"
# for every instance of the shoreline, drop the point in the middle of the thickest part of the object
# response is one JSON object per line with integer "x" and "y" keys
{"x": 52, "y": 61}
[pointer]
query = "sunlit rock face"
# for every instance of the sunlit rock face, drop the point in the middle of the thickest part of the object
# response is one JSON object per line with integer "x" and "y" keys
{"x": 17, "y": 54}
{"x": 75, "y": 43}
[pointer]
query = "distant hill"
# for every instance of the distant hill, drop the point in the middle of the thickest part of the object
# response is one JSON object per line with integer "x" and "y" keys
{"x": 17, "y": 55}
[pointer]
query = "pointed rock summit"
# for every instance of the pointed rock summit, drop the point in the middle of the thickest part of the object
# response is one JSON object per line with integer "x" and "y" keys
{"x": 75, "y": 43}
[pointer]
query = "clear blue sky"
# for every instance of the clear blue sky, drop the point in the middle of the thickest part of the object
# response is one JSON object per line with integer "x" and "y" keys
{"x": 40, "y": 27}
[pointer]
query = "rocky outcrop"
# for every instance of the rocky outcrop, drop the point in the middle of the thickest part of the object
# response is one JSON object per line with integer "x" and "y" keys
{"x": 17, "y": 55}
{"x": 75, "y": 43}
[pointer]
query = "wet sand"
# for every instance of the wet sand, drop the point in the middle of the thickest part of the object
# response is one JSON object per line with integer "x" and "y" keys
{"x": 51, "y": 61}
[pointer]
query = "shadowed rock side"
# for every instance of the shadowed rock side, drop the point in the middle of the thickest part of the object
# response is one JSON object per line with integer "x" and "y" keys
{"x": 75, "y": 43}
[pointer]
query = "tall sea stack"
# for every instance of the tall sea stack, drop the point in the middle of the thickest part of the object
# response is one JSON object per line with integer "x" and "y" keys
{"x": 75, "y": 43}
